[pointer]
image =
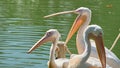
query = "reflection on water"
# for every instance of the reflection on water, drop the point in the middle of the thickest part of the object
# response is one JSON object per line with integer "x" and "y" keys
{"x": 22, "y": 24}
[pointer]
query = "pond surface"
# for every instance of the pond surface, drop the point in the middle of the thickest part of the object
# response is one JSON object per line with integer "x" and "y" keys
{"x": 22, "y": 24}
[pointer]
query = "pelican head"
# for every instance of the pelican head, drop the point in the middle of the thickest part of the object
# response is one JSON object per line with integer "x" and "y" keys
{"x": 84, "y": 16}
{"x": 82, "y": 10}
{"x": 50, "y": 36}
{"x": 95, "y": 32}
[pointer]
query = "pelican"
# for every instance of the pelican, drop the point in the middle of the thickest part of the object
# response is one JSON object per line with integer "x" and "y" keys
{"x": 84, "y": 60}
{"x": 78, "y": 61}
{"x": 53, "y": 36}
{"x": 82, "y": 21}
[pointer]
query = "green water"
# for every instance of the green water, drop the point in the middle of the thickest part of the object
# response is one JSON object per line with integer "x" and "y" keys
{"x": 22, "y": 24}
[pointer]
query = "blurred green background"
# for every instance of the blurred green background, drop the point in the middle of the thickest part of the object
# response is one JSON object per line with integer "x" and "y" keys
{"x": 22, "y": 24}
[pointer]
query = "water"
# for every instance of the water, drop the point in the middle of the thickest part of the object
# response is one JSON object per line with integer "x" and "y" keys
{"x": 22, "y": 24}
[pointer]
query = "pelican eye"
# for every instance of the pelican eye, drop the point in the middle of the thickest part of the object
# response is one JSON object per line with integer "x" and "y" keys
{"x": 100, "y": 34}
{"x": 49, "y": 33}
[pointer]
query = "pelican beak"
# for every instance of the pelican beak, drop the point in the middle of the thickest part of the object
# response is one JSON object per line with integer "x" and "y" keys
{"x": 43, "y": 40}
{"x": 77, "y": 23}
{"x": 59, "y": 13}
{"x": 101, "y": 50}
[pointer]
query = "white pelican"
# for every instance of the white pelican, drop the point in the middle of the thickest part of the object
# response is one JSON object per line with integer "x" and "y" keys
{"x": 82, "y": 21}
{"x": 78, "y": 61}
{"x": 51, "y": 35}
{"x": 83, "y": 60}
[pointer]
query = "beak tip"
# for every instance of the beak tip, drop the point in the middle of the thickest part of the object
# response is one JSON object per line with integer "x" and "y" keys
{"x": 44, "y": 17}
{"x": 28, "y": 52}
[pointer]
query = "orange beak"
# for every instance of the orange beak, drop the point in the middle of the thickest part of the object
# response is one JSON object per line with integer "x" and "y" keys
{"x": 77, "y": 23}
{"x": 101, "y": 50}
{"x": 43, "y": 40}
